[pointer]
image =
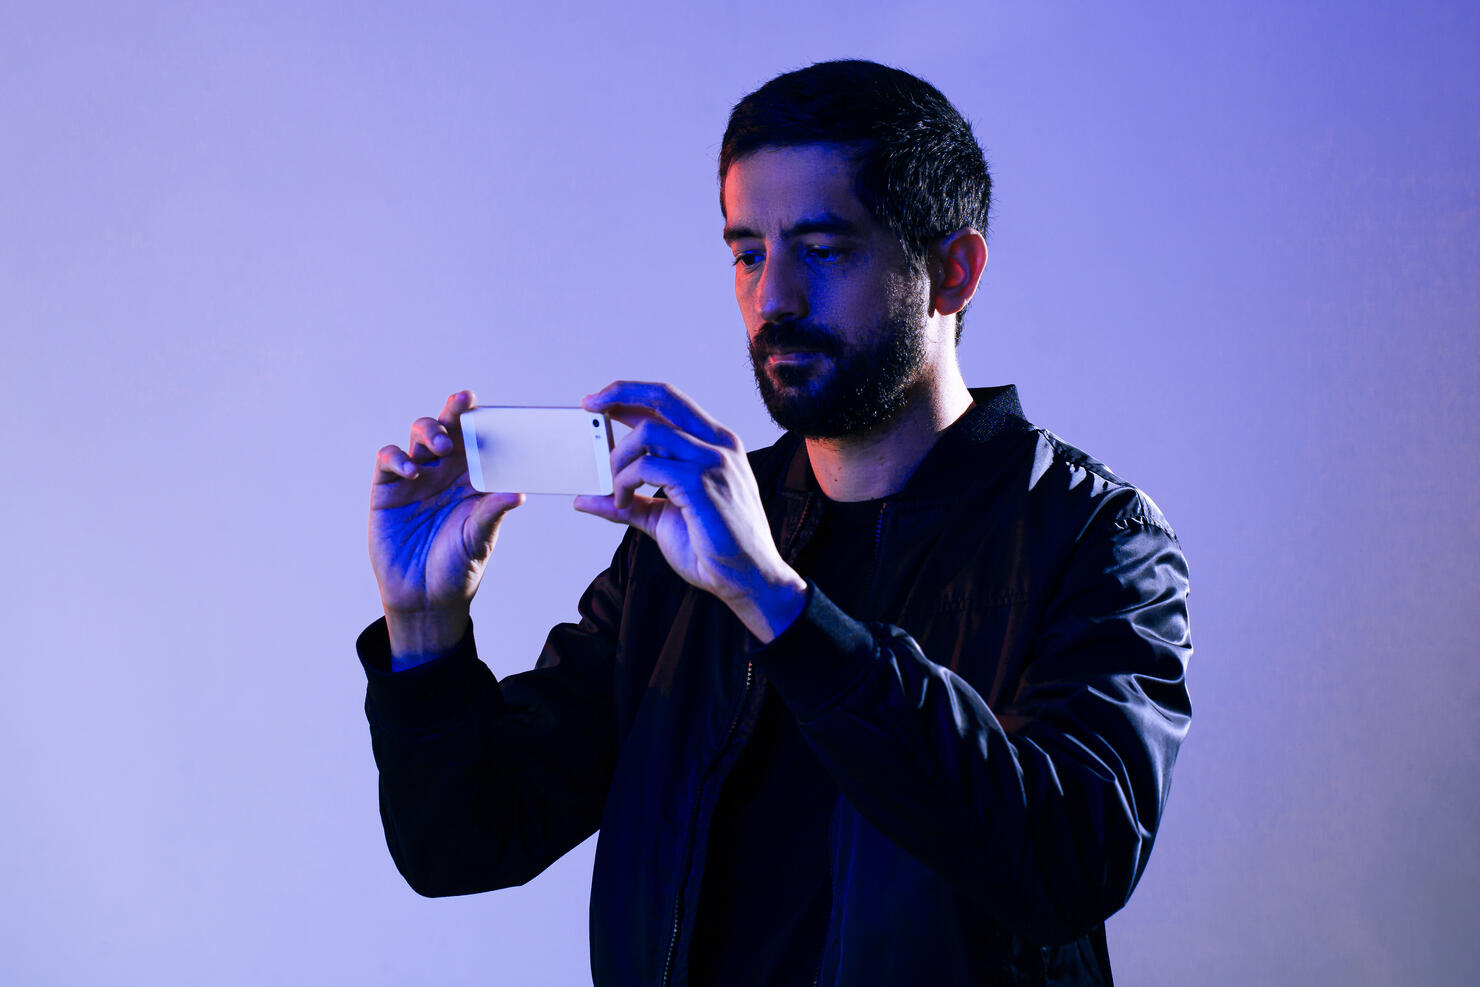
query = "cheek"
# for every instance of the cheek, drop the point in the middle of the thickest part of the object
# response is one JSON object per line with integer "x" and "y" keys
{"x": 742, "y": 292}
{"x": 858, "y": 302}
{"x": 904, "y": 293}
{"x": 745, "y": 299}
{"x": 830, "y": 295}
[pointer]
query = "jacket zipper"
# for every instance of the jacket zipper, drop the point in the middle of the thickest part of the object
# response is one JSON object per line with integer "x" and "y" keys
{"x": 694, "y": 812}
{"x": 694, "y": 826}
{"x": 873, "y": 575}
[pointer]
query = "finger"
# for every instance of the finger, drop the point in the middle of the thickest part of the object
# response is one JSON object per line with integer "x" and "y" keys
{"x": 662, "y": 441}
{"x": 599, "y": 504}
{"x": 457, "y": 403}
{"x": 482, "y": 524}
{"x": 429, "y": 440}
{"x": 642, "y": 513}
{"x": 624, "y": 397}
{"x": 392, "y": 464}
{"x": 674, "y": 476}
{"x": 451, "y": 418}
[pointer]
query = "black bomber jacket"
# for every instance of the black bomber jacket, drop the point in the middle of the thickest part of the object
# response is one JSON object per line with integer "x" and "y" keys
{"x": 1002, "y": 731}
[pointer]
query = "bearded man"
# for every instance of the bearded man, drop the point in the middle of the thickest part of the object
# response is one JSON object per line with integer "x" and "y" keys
{"x": 894, "y": 700}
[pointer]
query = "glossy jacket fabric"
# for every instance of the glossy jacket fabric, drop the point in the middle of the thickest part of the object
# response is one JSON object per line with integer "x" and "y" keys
{"x": 1002, "y": 723}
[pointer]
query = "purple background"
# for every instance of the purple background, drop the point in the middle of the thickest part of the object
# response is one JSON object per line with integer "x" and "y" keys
{"x": 1235, "y": 256}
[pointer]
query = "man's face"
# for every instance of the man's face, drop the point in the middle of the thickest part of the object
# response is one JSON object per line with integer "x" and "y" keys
{"x": 834, "y": 316}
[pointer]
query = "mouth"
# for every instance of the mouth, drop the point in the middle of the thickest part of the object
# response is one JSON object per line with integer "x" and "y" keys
{"x": 783, "y": 357}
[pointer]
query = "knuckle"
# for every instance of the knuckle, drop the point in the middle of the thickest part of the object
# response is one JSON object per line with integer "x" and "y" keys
{"x": 642, "y": 432}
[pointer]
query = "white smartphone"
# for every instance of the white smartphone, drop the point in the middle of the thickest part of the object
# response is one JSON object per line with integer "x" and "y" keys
{"x": 538, "y": 450}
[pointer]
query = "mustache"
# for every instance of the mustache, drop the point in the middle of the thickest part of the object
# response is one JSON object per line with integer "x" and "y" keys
{"x": 795, "y": 335}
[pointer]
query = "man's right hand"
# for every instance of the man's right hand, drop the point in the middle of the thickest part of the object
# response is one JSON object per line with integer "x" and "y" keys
{"x": 430, "y": 535}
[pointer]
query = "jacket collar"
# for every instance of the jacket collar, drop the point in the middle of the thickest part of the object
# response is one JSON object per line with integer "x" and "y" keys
{"x": 994, "y": 411}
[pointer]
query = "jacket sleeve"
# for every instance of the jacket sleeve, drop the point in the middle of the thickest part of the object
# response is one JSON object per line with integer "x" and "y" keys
{"x": 485, "y": 783}
{"x": 1043, "y": 813}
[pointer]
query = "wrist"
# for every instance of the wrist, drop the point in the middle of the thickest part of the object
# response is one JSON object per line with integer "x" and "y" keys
{"x": 773, "y": 604}
{"x": 417, "y": 637}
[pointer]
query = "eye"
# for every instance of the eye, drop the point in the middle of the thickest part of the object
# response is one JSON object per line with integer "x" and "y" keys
{"x": 821, "y": 251}
{"x": 746, "y": 259}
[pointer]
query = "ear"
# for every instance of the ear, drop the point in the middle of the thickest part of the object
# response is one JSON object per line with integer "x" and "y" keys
{"x": 957, "y": 263}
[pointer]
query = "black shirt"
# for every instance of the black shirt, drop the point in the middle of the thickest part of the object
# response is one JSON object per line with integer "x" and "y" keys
{"x": 767, "y": 890}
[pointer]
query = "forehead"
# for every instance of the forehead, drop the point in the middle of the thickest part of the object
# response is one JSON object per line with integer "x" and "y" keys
{"x": 775, "y": 187}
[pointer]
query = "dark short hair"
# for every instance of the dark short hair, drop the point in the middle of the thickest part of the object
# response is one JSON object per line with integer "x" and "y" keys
{"x": 921, "y": 173}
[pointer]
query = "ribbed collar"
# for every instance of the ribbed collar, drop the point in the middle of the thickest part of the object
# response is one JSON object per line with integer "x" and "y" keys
{"x": 994, "y": 412}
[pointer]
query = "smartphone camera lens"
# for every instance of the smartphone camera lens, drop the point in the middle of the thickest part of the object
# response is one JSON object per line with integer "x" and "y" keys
{"x": 596, "y": 422}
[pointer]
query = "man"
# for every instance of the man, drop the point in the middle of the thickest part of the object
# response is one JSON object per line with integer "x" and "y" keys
{"x": 892, "y": 701}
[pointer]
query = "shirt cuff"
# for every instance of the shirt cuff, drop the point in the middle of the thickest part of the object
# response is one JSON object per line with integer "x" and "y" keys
{"x": 424, "y": 695}
{"x": 818, "y": 657}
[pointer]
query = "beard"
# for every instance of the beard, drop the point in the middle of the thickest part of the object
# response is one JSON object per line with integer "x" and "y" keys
{"x": 866, "y": 385}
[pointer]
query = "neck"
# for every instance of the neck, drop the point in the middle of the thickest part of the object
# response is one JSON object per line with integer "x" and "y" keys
{"x": 879, "y": 462}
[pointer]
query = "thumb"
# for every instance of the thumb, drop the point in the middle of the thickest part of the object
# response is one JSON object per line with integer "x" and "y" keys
{"x": 641, "y": 514}
{"x": 602, "y": 506}
{"x": 482, "y": 523}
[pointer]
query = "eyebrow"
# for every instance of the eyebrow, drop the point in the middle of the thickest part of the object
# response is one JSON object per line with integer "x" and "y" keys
{"x": 826, "y": 222}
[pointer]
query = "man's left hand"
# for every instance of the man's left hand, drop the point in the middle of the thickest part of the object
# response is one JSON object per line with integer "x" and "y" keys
{"x": 710, "y": 524}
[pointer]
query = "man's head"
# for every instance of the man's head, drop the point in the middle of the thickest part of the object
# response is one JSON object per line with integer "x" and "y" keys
{"x": 920, "y": 171}
{"x": 855, "y": 200}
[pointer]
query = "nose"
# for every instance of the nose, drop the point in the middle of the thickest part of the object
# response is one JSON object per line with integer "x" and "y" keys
{"x": 781, "y": 295}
